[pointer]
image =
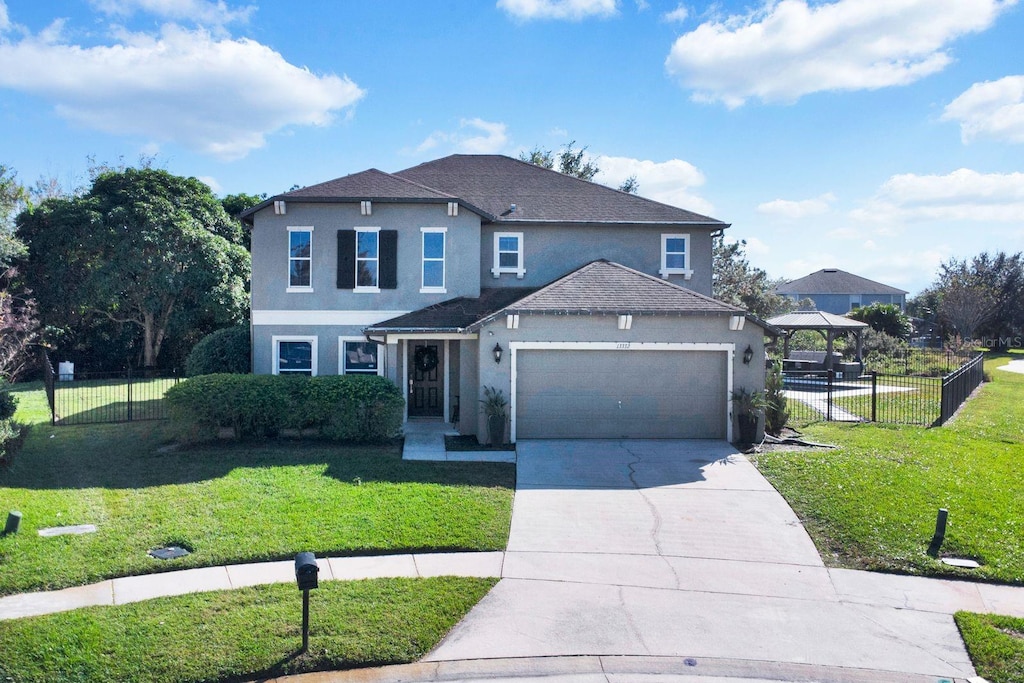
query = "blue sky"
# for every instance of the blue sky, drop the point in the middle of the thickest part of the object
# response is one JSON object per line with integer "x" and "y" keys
{"x": 882, "y": 137}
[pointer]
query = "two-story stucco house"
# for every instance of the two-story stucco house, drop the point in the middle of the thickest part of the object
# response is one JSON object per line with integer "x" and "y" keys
{"x": 589, "y": 308}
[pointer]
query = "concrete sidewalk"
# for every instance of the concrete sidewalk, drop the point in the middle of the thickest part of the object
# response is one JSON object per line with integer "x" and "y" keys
{"x": 136, "y": 588}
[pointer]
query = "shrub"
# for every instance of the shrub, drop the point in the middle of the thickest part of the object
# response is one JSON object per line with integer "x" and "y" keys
{"x": 8, "y": 404}
{"x": 359, "y": 408}
{"x": 776, "y": 414}
{"x": 12, "y": 436}
{"x": 224, "y": 351}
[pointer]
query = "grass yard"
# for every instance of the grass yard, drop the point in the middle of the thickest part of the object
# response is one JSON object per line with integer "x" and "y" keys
{"x": 239, "y": 635}
{"x": 229, "y": 502}
{"x": 996, "y": 645}
{"x": 871, "y": 504}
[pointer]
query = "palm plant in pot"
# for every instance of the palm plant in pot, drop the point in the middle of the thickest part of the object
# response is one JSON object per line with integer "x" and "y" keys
{"x": 494, "y": 404}
{"x": 750, "y": 406}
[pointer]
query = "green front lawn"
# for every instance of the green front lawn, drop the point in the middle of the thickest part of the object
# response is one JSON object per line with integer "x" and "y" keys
{"x": 243, "y": 634}
{"x": 996, "y": 645}
{"x": 871, "y": 504}
{"x": 229, "y": 502}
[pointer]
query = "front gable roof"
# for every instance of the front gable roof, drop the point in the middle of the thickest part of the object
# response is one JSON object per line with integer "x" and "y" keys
{"x": 598, "y": 288}
{"x": 495, "y": 183}
{"x": 835, "y": 281}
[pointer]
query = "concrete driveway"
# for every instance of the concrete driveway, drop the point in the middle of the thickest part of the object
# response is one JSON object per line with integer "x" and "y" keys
{"x": 681, "y": 549}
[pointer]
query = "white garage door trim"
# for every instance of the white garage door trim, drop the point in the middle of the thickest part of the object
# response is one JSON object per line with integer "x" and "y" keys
{"x": 727, "y": 348}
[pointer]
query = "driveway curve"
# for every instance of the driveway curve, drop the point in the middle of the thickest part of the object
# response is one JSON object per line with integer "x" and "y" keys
{"x": 679, "y": 549}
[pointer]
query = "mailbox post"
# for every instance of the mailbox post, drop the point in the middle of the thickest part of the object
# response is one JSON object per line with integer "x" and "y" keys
{"x": 305, "y": 576}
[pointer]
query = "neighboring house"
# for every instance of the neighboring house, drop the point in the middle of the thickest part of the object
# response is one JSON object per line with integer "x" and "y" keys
{"x": 589, "y": 308}
{"x": 836, "y": 291}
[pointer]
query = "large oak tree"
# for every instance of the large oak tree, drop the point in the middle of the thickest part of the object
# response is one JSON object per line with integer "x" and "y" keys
{"x": 143, "y": 248}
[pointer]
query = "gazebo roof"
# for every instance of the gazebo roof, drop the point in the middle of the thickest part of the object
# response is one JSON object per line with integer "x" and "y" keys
{"x": 815, "y": 320}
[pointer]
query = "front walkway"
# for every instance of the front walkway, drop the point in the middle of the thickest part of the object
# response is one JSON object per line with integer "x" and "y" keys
{"x": 424, "y": 440}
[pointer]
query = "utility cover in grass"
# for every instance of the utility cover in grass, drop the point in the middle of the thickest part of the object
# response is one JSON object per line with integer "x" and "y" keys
{"x": 171, "y": 552}
{"x": 68, "y": 530}
{"x": 958, "y": 562}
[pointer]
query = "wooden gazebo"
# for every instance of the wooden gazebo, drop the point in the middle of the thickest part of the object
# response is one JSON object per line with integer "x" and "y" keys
{"x": 829, "y": 325}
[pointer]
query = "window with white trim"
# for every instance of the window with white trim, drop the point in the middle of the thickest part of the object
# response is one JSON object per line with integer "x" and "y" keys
{"x": 359, "y": 357}
{"x": 367, "y": 259}
{"x": 508, "y": 254}
{"x": 294, "y": 355}
{"x": 433, "y": 260}
{"x": 300, "y": 259}
{"x": 675, "y": 256}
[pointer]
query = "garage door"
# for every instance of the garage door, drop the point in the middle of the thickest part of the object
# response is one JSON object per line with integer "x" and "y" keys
{"x": 602, "y": 394}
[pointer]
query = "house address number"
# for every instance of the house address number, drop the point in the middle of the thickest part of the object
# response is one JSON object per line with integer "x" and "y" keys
{"x": 622, "y": 345}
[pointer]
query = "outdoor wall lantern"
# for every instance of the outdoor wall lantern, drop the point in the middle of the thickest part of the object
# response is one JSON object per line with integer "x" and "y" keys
{"x": 497, "y": 352}
{"x": 748, "y": 355}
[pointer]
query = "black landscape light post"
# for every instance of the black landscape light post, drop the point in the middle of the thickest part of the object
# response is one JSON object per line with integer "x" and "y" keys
{"x": 305, "y": 576}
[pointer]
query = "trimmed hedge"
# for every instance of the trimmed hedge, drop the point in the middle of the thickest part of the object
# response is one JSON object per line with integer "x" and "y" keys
{"x": 356, "y": 408}
{"x": 228, "y": 350}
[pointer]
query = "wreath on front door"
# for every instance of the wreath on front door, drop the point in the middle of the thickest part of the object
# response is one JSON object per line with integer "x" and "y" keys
{"x": 425, "y": 359}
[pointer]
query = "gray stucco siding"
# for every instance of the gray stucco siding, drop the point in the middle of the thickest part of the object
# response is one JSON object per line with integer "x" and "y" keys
{"x": 327, "y": 346}
{"x": 603, "y": 328}
{"x": 551, "y": 251}
{"x": 270, "y": 255}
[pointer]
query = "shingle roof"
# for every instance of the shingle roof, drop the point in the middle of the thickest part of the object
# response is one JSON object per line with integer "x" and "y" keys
{"x": 835, "y": 281}
{"x": 493, "y": 183}
{"x": 454, "y": 315}
{"x": 370, "y": 184}
{"x": 606, "y": 287}
{"x": 600, "y": 287}
{"x": 814, "y": 320}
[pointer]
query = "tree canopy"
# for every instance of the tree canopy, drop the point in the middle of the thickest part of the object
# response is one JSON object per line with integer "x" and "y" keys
{"x": 151, "y": 253}
{"x": 887, "y": 318}
{"x": 736, "y": 282}
{"x": 980, "y": 300}
{"x": 572, "y": 161}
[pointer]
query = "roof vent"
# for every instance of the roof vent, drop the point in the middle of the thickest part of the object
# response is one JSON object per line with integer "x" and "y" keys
{"x": 831, "y": 270}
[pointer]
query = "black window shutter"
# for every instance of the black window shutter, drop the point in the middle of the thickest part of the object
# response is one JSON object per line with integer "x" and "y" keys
{"x": 388, "y": 264}
{"x": 346, "y": 259}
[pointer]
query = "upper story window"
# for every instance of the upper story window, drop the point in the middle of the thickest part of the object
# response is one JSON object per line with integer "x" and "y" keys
{"x": 359, "y": 357}
{"x": 367, "y": 259}
{"x": 294, "y": 355}
{"x": 300, "y": 259}
{"x": 433, "y": 260}
{"x": 675, "y": 256}
{"x": 508, "y": 254}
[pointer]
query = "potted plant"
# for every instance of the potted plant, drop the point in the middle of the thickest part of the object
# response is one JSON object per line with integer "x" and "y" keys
{"x": 494, "y": 404}
{"x": 750, "y": 406}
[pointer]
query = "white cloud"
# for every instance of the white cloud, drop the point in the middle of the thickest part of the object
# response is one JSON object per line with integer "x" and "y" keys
{"x": 5, "y": 21}
{"x": 475, "y": 136}
{"x": 795, "y": 210}
{"x": 212, "y": 183}
{"x": 669, "y": 182}
{"x": 963, "y": 195}
{"x": 199, "y": 12}
{"x": 220, "y": 97}
{"x": 676, "y": 16}
{"x": 787, "y": 49}
{"x": 993, "y": 109}
{"x": 573, "y": 10}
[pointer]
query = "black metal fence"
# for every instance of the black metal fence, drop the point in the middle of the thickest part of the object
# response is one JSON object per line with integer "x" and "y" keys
{"x": 815, "y": 396}
{"x": 102, "y": 397}
{"x": 956, "y": 387}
